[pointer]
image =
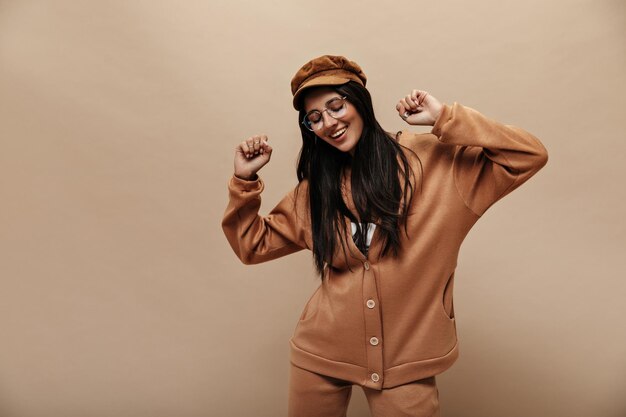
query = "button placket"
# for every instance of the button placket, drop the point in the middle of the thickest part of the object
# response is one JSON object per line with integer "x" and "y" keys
{"x": 373, "y": 325}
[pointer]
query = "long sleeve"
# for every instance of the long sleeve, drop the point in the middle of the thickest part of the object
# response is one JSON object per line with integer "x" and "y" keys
{"x": 257, "y": 239}
{"x": 491, "y": 159}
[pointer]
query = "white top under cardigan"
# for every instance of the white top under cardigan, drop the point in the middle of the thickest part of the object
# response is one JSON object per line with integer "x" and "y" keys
{"x": 370, "y": 232}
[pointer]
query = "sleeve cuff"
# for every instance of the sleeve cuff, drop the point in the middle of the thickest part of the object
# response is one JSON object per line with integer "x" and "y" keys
{"x": 444, "y": 116}
{"x": 245, "y": 185}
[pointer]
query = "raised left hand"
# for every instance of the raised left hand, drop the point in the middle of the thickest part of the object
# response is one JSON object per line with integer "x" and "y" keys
{"x": 419, "y": 108}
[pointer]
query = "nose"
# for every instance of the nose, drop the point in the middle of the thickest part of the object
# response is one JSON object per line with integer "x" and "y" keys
{"x": 329, "y": 121}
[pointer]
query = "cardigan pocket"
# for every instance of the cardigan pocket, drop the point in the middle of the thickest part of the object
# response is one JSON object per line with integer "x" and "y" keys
{"x": 447, "y": 302}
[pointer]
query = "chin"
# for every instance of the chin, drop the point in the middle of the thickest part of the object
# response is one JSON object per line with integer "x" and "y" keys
{"x": 346, "y": 145}
{"x": 349, "y": 145}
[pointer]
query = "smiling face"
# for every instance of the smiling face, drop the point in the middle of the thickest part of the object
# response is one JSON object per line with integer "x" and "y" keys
{"x": 342, "y": 133}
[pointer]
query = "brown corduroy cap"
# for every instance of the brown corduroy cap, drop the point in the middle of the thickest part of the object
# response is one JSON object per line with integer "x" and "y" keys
{"x": 325, "y": 70}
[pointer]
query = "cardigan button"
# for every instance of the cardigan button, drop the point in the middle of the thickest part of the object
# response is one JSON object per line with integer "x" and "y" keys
{"x": 366, "y": 265}
{"x": 370, "y": 303}
{"x": 373, "y": 341}
{"x": 375, "y": 377}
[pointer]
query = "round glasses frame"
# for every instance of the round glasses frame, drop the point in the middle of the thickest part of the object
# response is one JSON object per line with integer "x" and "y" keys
{"x": 331, "y": 112}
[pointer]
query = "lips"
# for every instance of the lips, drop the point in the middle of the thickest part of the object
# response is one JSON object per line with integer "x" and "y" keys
{"x": 338, "y": 134}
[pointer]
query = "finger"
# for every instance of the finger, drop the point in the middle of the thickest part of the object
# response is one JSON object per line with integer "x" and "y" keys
{"x": 256, "y": 141}
{"x": 418, "y": 96}
{"x": 415, "y": 96}
{"x": 403, "y": 114}
{"x": 401, "y": 109}
{"x": 250, "y": 145}
{"x": 407, "y": 106}
{"x": 246, "y": 148}
{"x": 409, "y": 100}
{"x": 265, "y": 147}
{"x": 422, "y": 96}
{"x": 418, "y": 99}
{"x": 243, "y": 148}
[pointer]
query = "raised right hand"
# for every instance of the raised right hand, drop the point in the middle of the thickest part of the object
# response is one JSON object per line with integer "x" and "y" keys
{"x": 419, "y": 108}
{"x": 251, "y": 155}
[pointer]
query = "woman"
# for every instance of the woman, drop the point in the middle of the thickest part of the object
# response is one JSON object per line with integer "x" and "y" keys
{"x": 384, "y": 216}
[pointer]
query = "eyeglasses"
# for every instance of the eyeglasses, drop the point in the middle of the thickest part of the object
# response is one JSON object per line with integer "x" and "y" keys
{"x": 335, "y": 107}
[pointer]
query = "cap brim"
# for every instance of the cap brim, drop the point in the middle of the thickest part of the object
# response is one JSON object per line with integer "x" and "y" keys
{"x": 316, "y": 82}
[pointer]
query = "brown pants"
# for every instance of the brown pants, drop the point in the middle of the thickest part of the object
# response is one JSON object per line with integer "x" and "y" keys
{"x": 315, "y": 395}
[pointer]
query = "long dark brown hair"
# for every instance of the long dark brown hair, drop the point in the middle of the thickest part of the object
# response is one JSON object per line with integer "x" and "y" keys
{"x": 375, "y": 182}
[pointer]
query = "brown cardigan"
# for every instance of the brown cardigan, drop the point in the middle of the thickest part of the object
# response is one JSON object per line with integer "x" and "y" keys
{"x": 390, "y": 321}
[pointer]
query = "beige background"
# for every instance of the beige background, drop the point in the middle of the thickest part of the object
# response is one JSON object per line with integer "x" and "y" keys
{"x": 119, "y": 293}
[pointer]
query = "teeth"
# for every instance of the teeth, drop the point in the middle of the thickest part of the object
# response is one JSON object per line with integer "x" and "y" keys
{"x": 336, "y": 135}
